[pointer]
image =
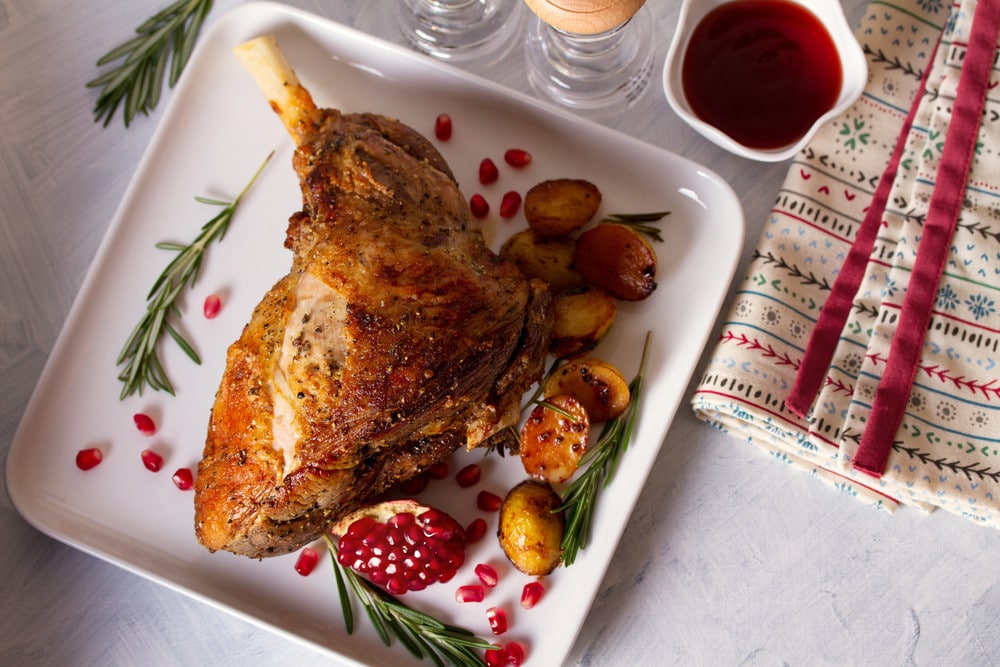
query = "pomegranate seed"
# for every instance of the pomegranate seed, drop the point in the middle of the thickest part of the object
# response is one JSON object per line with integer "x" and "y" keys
{"x": 307, "y": 561}
{"x": 144, "y": 423}
{"x": 515, "y": 653}
{"x": 531, "y": 594}
{"x": 183, "y": 478}
{"x": 442, "y": 127}
{"x": 517, "y": 158}
{"x": 406, "y": 552}
{"x": 152, "y": 460}
{"x": 488, "y": 172}
{"x": 498, "y": 620}
{"x": 88, "y": 458}
{"x": 510, "y": 204}
{"x": 488, "y": 502}
{"x": 471, "y": 593}
{"x": 415, "y": 485}
{"x": 475, "y": 531}
{"x": 469, "y": 475}
{"x": 438, "y": 470}
{"x": 213, "y": 304}
{"x": 479, "y": 206}
{"x": 495, "y": 656}
{"x": 487, "y": 574}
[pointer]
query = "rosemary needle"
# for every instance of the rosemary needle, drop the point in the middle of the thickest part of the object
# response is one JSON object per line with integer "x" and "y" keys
{"x": 139, "y": 354}
{"x": 641, "y": 222}
{"x": 580, "y": 497}
{"x": 136, "y": 80}
{"x": 421, "y": 634}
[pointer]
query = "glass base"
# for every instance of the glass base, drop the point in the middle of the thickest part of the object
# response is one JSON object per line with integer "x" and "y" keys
{"x": 611, "y": 68}
{"x": 461, "y": 30}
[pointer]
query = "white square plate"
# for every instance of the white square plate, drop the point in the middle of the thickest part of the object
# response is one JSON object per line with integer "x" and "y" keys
{"x": 215, "y": 132}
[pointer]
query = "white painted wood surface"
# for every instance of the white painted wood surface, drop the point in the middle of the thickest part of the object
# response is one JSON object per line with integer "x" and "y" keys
{"x": 730, "y": 558}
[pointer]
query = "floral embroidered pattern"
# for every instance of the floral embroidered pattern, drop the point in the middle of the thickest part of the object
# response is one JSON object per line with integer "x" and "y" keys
{"x": 945, "y": 411}
{"x": 980, "y": 306}
{"x": 931, "y": 6}
{"x": 947, "y": 299}
{"x": 855, "y": 133}
{"x": 890, "y": 289}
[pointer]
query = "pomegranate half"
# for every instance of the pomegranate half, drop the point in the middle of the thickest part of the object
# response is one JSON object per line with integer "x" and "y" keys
{"x": 400, "y": 545}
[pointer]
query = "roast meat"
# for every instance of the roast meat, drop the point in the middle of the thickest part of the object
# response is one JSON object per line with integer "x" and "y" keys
{"x": 396, "y": 337}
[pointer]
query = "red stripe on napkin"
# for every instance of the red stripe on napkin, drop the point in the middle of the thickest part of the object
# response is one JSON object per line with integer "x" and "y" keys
{"x": 893, "y": 391}
{"x": 837, "y": 307}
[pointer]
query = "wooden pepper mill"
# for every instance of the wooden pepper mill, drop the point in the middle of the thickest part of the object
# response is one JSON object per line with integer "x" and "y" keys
{"x": 585, "y": 17}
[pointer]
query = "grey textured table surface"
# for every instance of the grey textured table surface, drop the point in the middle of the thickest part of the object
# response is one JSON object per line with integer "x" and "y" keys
{"x": 729, "y": 558}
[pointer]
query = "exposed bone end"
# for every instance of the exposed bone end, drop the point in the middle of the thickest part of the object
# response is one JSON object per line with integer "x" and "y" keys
{"x": 263, "y": 59}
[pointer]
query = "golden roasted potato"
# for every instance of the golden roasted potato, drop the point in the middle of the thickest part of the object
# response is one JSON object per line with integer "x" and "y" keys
{"x": 597, "y": 384}
{"x": 582, "y": 318}
{"x": 540, "y": 257}
{"x": 551, "y": 443}
{"x": 561, "y": 206}
{"x": 530, "y": 530}
{"x": 617, "y": 259}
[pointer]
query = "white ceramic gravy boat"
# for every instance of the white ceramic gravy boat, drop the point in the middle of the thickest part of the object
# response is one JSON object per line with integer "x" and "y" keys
{"x": 854, "y": 69}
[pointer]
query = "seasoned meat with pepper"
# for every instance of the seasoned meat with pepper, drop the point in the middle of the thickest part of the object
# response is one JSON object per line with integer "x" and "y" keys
{"x": 396, "y": 337}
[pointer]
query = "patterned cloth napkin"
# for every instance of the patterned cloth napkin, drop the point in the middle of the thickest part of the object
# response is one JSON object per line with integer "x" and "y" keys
{"x": 943, "y": 449}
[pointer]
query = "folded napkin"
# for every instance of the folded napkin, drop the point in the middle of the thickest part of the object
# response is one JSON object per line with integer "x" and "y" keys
{"x": 863, "y": 344}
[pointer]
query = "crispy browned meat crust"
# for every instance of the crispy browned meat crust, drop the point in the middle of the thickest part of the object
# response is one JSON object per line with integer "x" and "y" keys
{"x": 396, "y": 337}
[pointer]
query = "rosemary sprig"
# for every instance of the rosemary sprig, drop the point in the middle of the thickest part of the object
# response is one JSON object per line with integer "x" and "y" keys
{"x": 166, "y": 37}
{"x": 421, "y": 634}
{"x": 509, "y": 440}
{"x": 139, "y": 355}
{"x": 580, "y": 497}
{"x": 639, "y": 221}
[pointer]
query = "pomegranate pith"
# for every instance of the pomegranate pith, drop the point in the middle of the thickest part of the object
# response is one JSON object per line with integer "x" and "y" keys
{"x": 401, "y": 545}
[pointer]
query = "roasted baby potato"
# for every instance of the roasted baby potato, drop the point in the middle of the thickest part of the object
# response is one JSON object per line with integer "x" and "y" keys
{"x": 545, "y": 258}
{"x": 597, "y": 384}
{"x": 530, "y": 530}
{"x": 582, "y": 318}
{"x": 561, "y": 206}
{"x": 552, "y": 442}
{"x": 618, "y": 259}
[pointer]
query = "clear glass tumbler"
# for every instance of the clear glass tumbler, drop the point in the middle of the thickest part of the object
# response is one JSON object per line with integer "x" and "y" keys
{"x": 461, "y": 30}
{"x": 590, "y": 54}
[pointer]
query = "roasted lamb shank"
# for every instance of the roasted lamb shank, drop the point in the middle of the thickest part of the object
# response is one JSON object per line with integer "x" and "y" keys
{"x": 396, "y": 337}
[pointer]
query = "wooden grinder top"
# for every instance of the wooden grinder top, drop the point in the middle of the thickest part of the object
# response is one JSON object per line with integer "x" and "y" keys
{"x": 585, "y": 17}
